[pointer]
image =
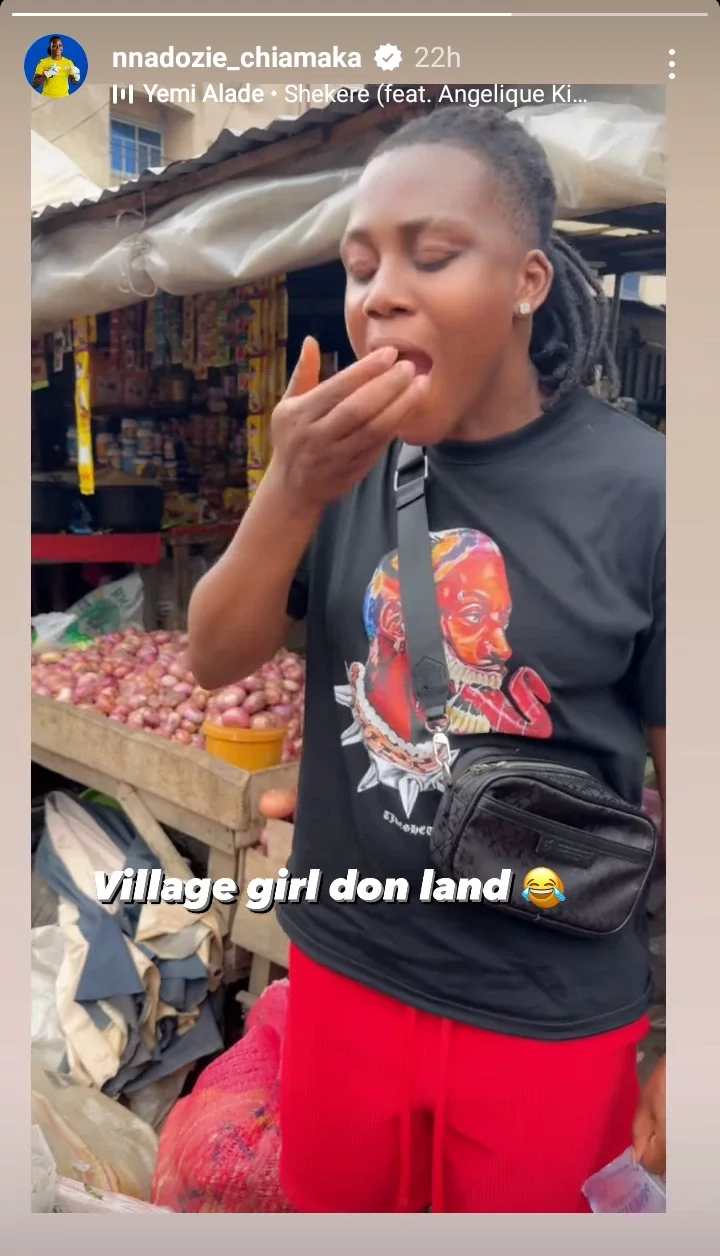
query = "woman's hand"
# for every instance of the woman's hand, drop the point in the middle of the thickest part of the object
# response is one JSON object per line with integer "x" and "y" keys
{"x": 326, "y": 436}
{"x": 649, "y": 1127}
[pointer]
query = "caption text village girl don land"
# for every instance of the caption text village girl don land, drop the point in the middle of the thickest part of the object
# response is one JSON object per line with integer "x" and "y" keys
{"x": 152, "y": 886}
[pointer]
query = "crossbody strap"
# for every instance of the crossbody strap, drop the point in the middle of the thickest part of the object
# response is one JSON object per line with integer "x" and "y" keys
{"x": 418, "y": 596}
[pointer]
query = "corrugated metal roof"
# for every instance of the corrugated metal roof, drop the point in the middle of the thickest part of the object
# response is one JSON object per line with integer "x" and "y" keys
{"x": 645, "y": 250}
{"x": 228, "y": 144}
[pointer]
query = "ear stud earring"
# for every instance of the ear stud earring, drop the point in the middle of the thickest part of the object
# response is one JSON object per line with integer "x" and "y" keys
{"x": 524, "y": 309}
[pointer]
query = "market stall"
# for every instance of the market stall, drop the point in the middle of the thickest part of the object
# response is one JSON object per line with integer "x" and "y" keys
{"x": 152, "y": 427}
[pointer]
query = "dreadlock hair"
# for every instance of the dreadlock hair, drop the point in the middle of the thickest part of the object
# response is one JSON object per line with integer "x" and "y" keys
{"x": 569, "y": 346}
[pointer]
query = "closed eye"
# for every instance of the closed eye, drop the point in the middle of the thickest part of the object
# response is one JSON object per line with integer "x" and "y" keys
{"x": 360, "y": 276}
{"x": 435, "y": 263}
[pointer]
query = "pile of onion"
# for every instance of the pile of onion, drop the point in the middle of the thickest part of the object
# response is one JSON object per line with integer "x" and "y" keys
{"x": 274, "y": 697}
{"x": 143, "y": 680}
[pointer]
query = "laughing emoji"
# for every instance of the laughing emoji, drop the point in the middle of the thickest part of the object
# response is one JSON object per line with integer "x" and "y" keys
{"x": 543, "y": 888}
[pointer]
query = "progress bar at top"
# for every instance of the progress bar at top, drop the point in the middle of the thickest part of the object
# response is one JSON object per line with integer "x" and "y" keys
{"x": 362, "y": 13}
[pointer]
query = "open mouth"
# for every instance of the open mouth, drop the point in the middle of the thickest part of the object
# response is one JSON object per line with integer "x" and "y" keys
{"x": 546, "y": 893}
{"x": 422, "y": 363}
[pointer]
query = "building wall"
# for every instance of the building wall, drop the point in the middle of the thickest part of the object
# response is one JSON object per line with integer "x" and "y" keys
{"x": 80, "y": 124}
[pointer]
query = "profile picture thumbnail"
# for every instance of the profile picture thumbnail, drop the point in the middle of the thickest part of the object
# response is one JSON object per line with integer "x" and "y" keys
{"x": 56, "y": 66}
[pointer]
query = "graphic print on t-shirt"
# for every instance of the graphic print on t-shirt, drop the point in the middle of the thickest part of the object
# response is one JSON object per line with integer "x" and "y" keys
{"x": 475, "y": 608}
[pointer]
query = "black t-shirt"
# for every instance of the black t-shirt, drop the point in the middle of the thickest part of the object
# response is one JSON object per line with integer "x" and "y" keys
{"x": 549, "y": 552}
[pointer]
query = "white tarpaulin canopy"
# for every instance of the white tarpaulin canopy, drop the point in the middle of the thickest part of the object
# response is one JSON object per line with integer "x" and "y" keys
{"x": 604, "y": 156}
{"x": 55, "y": 178}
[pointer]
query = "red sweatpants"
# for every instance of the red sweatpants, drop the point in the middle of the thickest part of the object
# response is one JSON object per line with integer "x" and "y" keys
{"x": 387, "y": 1109}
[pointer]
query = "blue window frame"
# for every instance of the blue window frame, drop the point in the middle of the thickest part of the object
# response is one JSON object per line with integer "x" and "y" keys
{"x": 133, "y": 149}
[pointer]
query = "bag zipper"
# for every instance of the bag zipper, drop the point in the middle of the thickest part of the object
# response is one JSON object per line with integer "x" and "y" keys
{"x": 555, "y": 828}
{"x": 534, "y": 765}
{"x": 477, "y": 768}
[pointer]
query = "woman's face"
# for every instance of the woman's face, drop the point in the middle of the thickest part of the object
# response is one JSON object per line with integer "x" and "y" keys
{"x": 435, "y": 269}
{"x": 56, "y": 48}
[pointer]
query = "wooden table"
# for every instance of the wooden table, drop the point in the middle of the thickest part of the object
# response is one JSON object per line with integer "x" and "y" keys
{"x": 160, "y": 783}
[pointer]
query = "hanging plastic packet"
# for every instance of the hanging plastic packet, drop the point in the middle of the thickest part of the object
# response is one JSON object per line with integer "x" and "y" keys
{"x": 624, "y": 1186}
{"x": 85, "y": 460}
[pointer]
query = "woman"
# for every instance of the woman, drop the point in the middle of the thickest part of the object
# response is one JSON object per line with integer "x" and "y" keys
{"x": 444, "y": 1055}
{"x": 53, "y": 72}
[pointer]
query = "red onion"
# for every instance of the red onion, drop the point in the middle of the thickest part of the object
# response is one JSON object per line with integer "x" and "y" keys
{"x": 229, "y": 698}
{"x": 282, "y": 713}
{"x": 191, "y": 714}
{"x": 142, "y": 680}
{"x": 254, "y": 702}
{"x": 235, "y": 717}
{"x": 273, "y": 695}
{"x": 293, "y": 670}
{"x": 252, "y": 684}
{"x": 263, "y": 720}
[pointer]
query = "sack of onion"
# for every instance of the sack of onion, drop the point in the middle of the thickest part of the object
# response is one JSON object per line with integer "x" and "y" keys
{"x": 142, "y": 680}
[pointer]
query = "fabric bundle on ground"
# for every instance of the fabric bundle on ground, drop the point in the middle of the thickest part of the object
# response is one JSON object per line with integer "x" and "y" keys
{"x": 136, "y": 991}
{"x": 220, "y": 1147}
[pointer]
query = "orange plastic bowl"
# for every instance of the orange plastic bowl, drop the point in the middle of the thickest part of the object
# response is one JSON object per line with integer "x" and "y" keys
{"x": 251, "y": 749}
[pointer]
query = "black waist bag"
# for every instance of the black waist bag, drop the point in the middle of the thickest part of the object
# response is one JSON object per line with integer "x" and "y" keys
{"x": 579, "y": 856}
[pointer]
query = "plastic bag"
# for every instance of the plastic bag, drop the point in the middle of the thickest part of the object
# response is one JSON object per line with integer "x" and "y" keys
{"x": 49, "y": 630}
{"x": 110, "y": 608}
{"x": 74, "y": 1197}
{"x": 93, "y": 1139}
{"x": 44, "y": 1173}
{"x": 154, "y": 1103}
{"x": 47, "y": 948}
{"x": 623, "y": 1186}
